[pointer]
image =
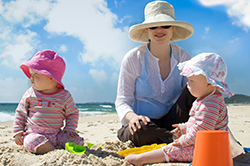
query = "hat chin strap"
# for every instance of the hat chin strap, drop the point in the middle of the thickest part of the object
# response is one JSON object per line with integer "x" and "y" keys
{"x": 171, "y": 40}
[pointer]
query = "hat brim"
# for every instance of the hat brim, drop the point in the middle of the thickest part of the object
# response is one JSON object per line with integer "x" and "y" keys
{"x": 26, "y": 66}
{"x": 182, "y": 30}
{"x": 189, "y": 70}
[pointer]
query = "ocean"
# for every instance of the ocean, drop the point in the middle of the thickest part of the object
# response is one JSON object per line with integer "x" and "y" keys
{"x": 7, "y": 110}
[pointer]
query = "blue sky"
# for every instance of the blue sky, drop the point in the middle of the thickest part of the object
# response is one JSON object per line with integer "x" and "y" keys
{"x": 92, "y": 37}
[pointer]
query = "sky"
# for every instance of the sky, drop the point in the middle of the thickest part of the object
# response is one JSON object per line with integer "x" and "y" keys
{"x": 92, "y": 37}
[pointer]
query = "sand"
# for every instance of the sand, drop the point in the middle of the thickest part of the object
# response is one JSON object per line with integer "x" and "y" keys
{"x": 101, "y": 130}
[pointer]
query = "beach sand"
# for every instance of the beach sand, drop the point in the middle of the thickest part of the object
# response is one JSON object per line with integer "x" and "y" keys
{"x": 101, "y": 130}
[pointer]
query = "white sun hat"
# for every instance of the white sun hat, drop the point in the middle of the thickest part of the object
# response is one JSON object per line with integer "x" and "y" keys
{"x": 212, "y": 66}
{"x": 160, "y": 13}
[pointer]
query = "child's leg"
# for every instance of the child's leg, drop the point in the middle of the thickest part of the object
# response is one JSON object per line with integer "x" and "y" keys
{"x": 40, "y": 140}
{"x": 62, "y": 138}
{"x": 45, "y": 148}
{"x": 154, "y": 156}
{"x": 179, "y": 153}
{"x": 34, "y": 141}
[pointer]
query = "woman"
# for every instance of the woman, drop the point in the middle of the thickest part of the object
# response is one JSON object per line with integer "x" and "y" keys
{"x": 151, "y": 92}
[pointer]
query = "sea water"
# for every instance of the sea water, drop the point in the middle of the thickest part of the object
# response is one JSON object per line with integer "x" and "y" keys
{"x": 7, "y": 110}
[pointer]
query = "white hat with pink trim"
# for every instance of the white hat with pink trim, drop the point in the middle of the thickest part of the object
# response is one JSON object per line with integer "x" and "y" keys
{"x": 212, "y": 66}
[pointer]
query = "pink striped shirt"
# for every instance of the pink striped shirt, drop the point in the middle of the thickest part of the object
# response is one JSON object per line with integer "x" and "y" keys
{"x": 46, "y": 110}
{"x": 209, "y": 113}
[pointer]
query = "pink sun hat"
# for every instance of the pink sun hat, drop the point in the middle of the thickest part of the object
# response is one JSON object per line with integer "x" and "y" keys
{"x": 212, "y": 66}
{"x": 46, "y": 62}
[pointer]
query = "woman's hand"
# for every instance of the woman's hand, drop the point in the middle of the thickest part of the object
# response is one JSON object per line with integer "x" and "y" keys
{"x": 134, "y": 121}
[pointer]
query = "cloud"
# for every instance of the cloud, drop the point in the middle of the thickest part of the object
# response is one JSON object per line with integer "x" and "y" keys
{"x": 26, "y": 12}
{"x": 100, "y": 77}
{"x": 239, "y": 9}
{"x": 234, "y": 40}
{"x": 63, "y": 48}
{"x": 17, "y": 47}
{"x": 207, "y": 29}
{"x": 94, "y": 25}
{"x": 31, "y": 25}
{"x": 91, "y": 22}
{"x": 114, "y": 78}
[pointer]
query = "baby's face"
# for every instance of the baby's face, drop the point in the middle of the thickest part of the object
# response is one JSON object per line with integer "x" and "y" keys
{"x": 198, "y": 86}
{"x": 41, "y": 82}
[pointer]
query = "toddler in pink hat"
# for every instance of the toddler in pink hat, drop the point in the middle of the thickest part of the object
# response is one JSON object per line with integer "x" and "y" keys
{"x": 206, "y": 75}
{"x": 46, "y": 116}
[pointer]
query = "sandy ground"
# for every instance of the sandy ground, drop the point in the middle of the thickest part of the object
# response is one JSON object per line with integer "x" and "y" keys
{"x": 101, "y": 130}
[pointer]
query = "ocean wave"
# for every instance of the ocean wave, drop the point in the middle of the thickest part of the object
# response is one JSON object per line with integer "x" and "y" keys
{"x": 6, "y": 117}
{"x": 106, "y": 106}
{"x": 91, "y": 113}
{"x": 83, "y": 109}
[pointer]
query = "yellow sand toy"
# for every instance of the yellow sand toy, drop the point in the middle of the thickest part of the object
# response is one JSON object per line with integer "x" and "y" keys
{"x": 141, "y": 149}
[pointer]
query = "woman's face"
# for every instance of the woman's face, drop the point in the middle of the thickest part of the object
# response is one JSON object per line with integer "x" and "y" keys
{"x": 160, "y": 35}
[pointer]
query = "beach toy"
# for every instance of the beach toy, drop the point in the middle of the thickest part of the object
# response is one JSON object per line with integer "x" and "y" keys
{"x": 74, "y": 148}
{"x": 212, "y": 148}
{"x": 141, "y": 149}
{"x": 89, "y": 145}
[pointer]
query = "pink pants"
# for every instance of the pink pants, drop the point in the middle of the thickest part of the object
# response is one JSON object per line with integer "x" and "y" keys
{"x": 37, "y": 136}
{"x": 179, "y": 153}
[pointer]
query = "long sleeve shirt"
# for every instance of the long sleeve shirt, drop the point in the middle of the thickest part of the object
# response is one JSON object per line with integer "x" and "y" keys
{"x": 46, "y": 110}
{"x": 141, "y": 88}
{"x": 209, "y": 113}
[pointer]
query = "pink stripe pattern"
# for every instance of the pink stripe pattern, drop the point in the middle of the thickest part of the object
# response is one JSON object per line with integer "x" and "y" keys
{"x": 46, "y": 110}
{"x": 209, "y": 113}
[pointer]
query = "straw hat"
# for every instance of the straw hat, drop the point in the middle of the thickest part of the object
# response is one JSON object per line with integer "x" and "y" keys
{"x": 160, "y": 13}
{"x": 46, "y": 62}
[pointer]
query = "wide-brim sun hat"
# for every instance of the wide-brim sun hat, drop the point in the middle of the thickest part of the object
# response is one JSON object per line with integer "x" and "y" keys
{"x": 212, "y": 66}
{"x": 46, "y": 62}
{"x": 160, "y": 13}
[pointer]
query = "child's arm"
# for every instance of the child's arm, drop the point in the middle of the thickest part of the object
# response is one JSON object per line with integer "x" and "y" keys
{"x": 21, "y": 115}
{"x": 70, "y": 133}
{"x": 177, "y": 130}
{"x": 19, "y": 138}
{"x": 71, "y": 114}
{"x": 204, "y": 119}
{"x": 178, "y": 133}
{"x": 176, "y": 142}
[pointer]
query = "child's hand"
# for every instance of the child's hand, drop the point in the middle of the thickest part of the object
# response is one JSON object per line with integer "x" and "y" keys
{"x": 177, "y": 130}
{"x": 70, "y": 133}
{"x": 19, "y": 138}
{"x": 176, "y": 142}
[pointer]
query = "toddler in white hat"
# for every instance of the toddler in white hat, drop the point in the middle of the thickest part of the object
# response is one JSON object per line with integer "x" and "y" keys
{"x": 206, "y": 74}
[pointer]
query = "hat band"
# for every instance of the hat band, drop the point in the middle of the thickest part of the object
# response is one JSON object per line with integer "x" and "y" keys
{"x": 159, "y": 18}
